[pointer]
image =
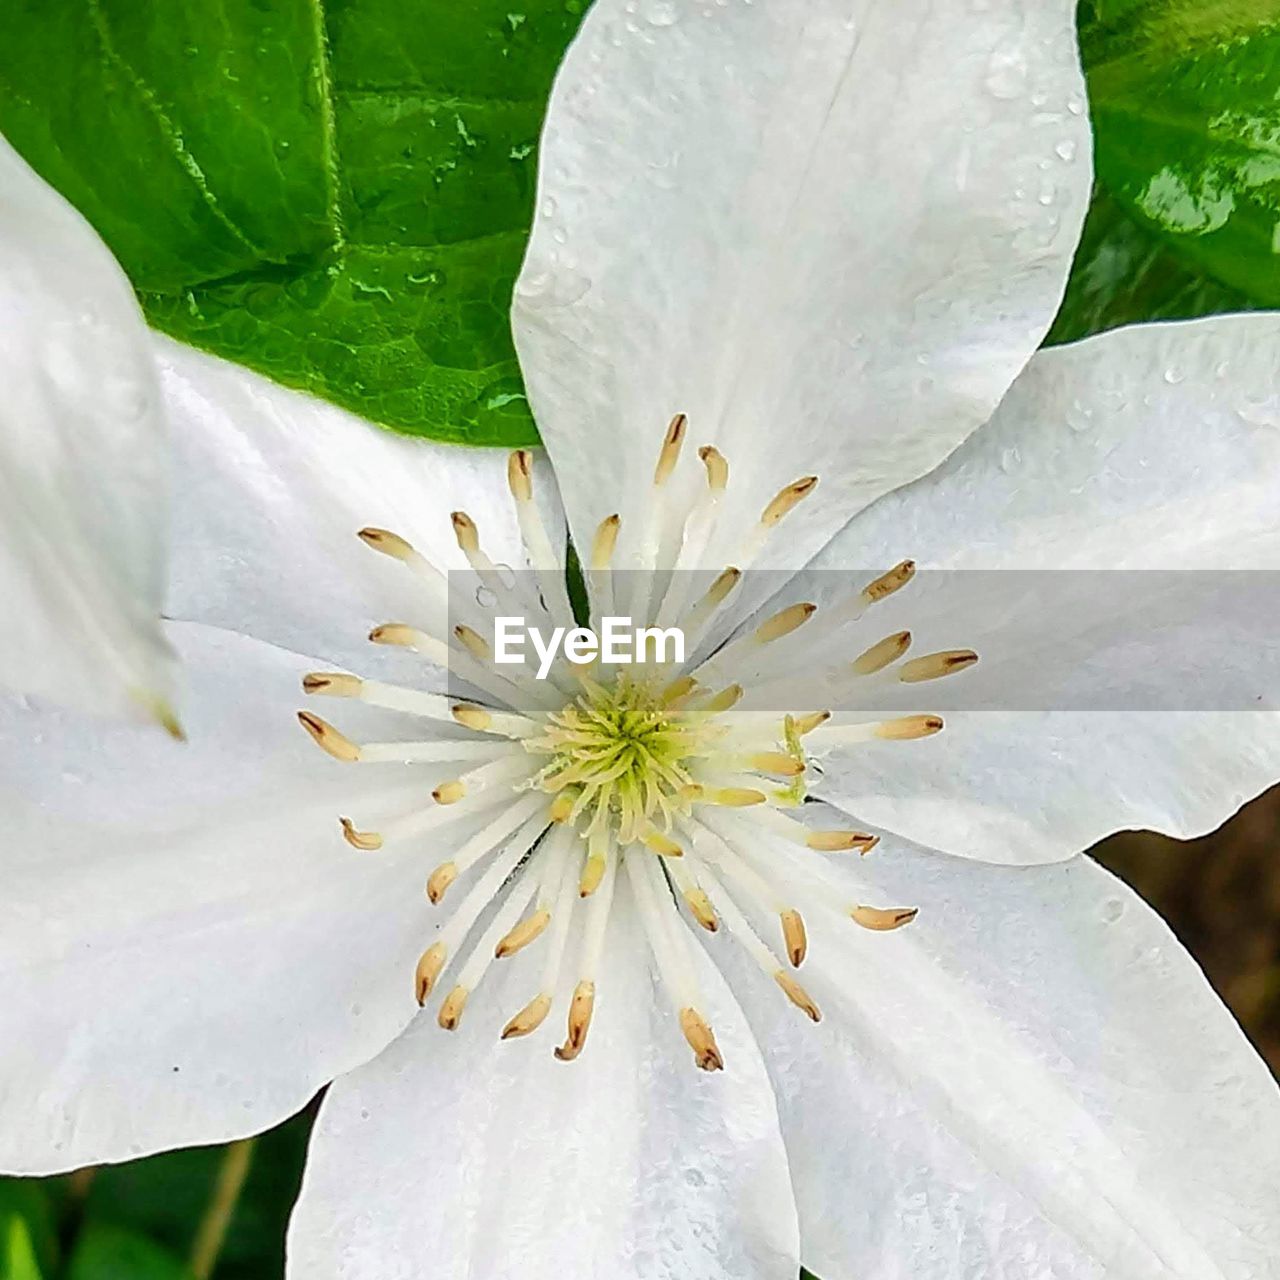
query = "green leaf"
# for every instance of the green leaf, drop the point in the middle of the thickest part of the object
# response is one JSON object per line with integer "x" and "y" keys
{"x": 18, "y": 1259}
{"x": 28, "y": 1201}
{"x": 105, "y": 1252}
{"x": 1187, "y": 124}
{"x": 1123, "y": 275}
{"x": 334, "y": 192}
{"x": 164, "y": 1196}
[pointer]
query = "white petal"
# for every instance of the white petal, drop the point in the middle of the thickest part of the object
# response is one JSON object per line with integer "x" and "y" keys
{"x": 796, "y": 229}
{"x": 456, "y": 1155}
{"x": 83, "y": 464}
{"x": 1144, "y": 449}
{"x": 1032, "y": 1079}
{"x": 276, "y": 485}
{"x": 190, "y": 949}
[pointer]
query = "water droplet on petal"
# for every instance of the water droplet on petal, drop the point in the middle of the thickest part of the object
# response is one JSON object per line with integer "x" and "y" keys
{"x": 1009, "y": 459}
{"x": 1112, "y": 910}
{"x": 1066, "y": 149}
{"x": 661, "y": 13}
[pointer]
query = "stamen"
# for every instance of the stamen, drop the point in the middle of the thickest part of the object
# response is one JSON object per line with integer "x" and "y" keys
{"x": 403, "y": 636}
{"x": 520, "y": 475}
{"x": 885, "y": 585}
{"x": 784, "y": 623}
{"x": 430, "y": 964}
{"x": 593, "y": 935}
{"x": 727, "y": 698}
{"x": 670, "y": 452}
{"x": 655, "y": 840}
{"x": 451, "y": 1010}
{"x": 519, "y": 937}
{"x": 366, "y": 841}
{"x": 934, "y": 666}
{"x": 529, "y": 1018}
{"x": 839, "y": 841}
{"x": 328, "y": 739}
{"x": 747, "y": 938}
{"x": 902, "y": 729}
{"x": 449, "y": 792}
{"x": 793, "y": 934}
{"x": 777, "y": 763}
{"x": 696, "y": 1031}
{"x": 505, "y": 724}
{"x": 581, "y": 1008}
{"x": 440, "y": 880}
{"x": 883, "y": 918}
{"x": 797, "y": 995}
{"x": 717, "y": 468}
{"x": 786, "y": 499}
{"x": 606, "y": 540}
{"x": 334, "y": 684}
{"x": 909, "y": 727}
{"x": 881, "y": 654}
{"x": 476, "y": 645}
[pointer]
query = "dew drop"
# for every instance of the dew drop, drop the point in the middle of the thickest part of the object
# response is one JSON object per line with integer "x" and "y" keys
{"x": 1009, "y": 459}
{"x": 1173, "y": 375}
{"x": 661, "y": 13}
{"x": 1066, "y": 149}
{"x": 1112, "y": 910}
{"x": 485, "y": 598}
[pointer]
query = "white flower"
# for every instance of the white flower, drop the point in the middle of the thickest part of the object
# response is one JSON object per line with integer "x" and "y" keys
{"x": 83, "y": 469}
{"x": 835, "y": 258}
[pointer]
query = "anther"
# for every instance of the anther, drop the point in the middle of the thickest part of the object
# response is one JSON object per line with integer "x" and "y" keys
{"x": 520, "y": 475}
{"x": 806, "y": 724}
{"x": 604, "y": 542}
{"x": 777, "y": 763}
{"x": 332, "y": 684}
{"x": 797, "y": 994}
{"x": 523, "y": 934}
{"x": 881, "y": 654}
{"x": 793, "y": 934}
{"x": 440, "y": 879}
{"x": 389, "y": 544}
{"x": 529, "y": 1018}
{"x": 702, "y": 910}
{"x": 561, "y": 809}
{"x": 839, "y": 841}
{"x": 696, "y": 1031}
{"x": 365, "y": 840}
{"x": 784, "y": 622}
{"x": 787, "y": 498}
{"x": 717, "y": 468}
{"x": 908, "y": 727}
{"x": 888, "y": 583}
{"x": 464, "y": 529}
{"x": 429, "y": 965}
{"x": 451, "y": 1010}
{"x": 727, "y": 698}
{"x": 678, "y": 690}
{"x": 933, "y": 666}
{"x": 670, "y": 452}
{"x": 725, "y": 582}
{"x": 883, "y": 918}
{"x": 580, "y": 1009}
{"x": 325, "y": 736}
{"x": 474, "y": 643}
{"x": 449, "y": 792}
{"x": 731, "y": 797}
{"x": 471, "y": 717}
{"x": 592, "y": 873}
{"x": 398, "y": 633}
{"x": 659, "y": 843}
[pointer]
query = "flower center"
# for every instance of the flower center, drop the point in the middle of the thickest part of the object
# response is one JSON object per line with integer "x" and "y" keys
{"x": 568, "y": 786}
{"x": 621, "y": 756}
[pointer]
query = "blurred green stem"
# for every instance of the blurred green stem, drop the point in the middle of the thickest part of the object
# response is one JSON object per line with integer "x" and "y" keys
{"x": 212, "y": 1230}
